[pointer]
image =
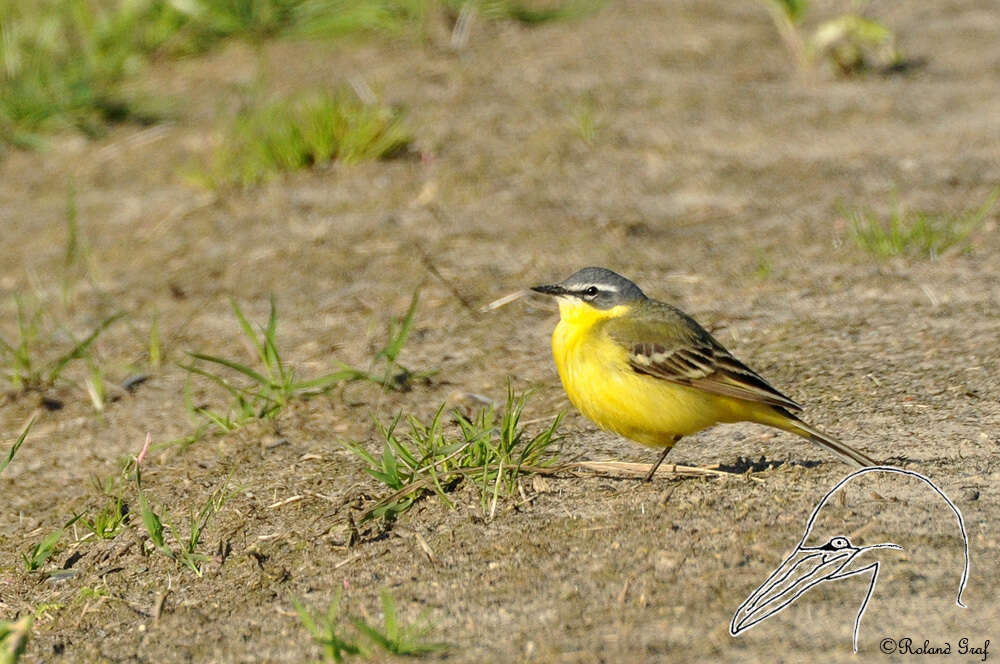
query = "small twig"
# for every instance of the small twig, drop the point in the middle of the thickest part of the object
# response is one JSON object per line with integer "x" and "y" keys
{"x": 161, "y": 597}
{"x": 506, "y": 299}
{"x": 462, "y": 27}
{"x": 624, "y": 593}
{"x": 496, "y": 490}
{"x": 362, "y": 89}
{"x": 931, "y": 295}
{"x": 268, "y": 538}
{"x": 140, "y": 139}
{"x": 862, "y": 530}
{"x": 641, "y": 469}
{"x": 525, "y": 501}
{"x": 429, "y": 264}
{"x": 421, "y": 542}
{"x": 285, "y": 612}
{"x": 441, "y": 461}
{"x": 287, "y": 501}
{"x": 425, "y": 546}
{"x": 347, "y": 561}
{"x": 323, "y": 497}
{"x": 182, "y": 210}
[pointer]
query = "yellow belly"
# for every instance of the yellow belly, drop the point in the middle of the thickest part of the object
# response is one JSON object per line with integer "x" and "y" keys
{"x": 599, "y": 381}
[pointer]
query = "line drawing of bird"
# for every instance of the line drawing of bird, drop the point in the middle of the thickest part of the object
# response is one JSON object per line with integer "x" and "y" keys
{"x": 809, "y": 566}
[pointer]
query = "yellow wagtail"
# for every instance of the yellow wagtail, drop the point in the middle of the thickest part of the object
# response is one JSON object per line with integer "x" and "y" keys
{"x": 646, "y": 370}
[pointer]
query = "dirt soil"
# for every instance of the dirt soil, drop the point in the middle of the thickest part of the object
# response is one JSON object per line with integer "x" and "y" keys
{"x": 717, "y": 179}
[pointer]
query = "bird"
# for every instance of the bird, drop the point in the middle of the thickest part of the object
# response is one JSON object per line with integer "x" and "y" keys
{"x": 647, "y": 371}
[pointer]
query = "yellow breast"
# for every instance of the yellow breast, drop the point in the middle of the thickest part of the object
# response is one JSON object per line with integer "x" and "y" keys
{"x": 599, "y": 381}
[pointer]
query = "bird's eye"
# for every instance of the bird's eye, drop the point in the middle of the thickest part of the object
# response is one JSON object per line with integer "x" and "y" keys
{"x": 840, "y": 543}
{"x": 591, "y": 292}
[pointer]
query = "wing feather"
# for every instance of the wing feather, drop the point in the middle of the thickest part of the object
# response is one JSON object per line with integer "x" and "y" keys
{"x": 682, "y": 352}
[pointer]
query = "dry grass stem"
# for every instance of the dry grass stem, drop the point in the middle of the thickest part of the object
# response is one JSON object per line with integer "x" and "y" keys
{"x": 505, "y": 300}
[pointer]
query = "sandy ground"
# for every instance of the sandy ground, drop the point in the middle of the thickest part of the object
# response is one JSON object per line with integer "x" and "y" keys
{"x": 717, "y": 179}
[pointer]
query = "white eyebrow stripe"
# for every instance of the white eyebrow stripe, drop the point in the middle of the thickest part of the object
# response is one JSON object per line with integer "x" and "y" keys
{"x": 606, "y": 288}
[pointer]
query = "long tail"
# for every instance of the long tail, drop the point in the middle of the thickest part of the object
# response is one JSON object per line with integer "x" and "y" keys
{"x": 844, "y": 451}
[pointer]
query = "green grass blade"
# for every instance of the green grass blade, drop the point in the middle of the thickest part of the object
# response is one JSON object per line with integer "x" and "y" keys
{"x": 223, "y": 423}
{"x": 249, "y": 331}
{"x": 47, "y": 546}
{"x": 373, "y": 634}
{"x": 991, "y": 200}
{"x": 363, "y": 453}
{"x": 6, "y": 347}
{"x": 324, "y": 383}
{"x": 14, "y": 639}
{"x": 396, "y": 637}
{"x": 401, "y": 331}
{"x": 42, "y": 550}
{"x": 155, "y": 346}
{"x": 270, "y": 339}
{"x": 17, "y": 445}
{"x": 334, "y": 646}
{"x": 236, "y": 366}
{"x": 154, "y": 526}
{"x": 389, "y": 618}
{"x": 81, "y": 348}
{"x": 389, "y": 464}
{"x": 306, "y": 617}
{"x": 235, "y": 391}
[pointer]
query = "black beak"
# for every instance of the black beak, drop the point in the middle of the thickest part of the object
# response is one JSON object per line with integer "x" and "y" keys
{"x": 553, "y": 289}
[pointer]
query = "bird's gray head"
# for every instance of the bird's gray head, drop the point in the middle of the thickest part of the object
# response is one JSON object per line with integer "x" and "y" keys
{"x": 598, "y": 287}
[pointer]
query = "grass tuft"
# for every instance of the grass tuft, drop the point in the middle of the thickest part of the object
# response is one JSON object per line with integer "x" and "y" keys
{"x": 489, "y": 449}
{"x": 20, "y": 364}
{"x": 326, "y": 634}
{"x": 68, "y": 64}
{"x": 110, "y": 519}
{"x": 271, "y": 386}
{"x": 397, "y": 637}
{"x": 62, "y": 64}
{"x": 186, "y": 549}
{"x": 850, "y": 42}
{"x": 14, "y": 639}
{"x": 394, "y": 636}
{"x": 916, "y": 233}
{"x": 304, "y": 131}
{"x": 534, "y": 13}
{"x": 393, "y": 375}
{"x": 44, "y": 548}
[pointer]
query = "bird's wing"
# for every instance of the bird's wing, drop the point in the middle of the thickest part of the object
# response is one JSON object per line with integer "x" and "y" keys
{"x": 668, "y": 344}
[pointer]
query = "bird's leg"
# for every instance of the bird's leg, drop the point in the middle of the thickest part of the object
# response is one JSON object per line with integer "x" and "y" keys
{"x": 666, "y": 451}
